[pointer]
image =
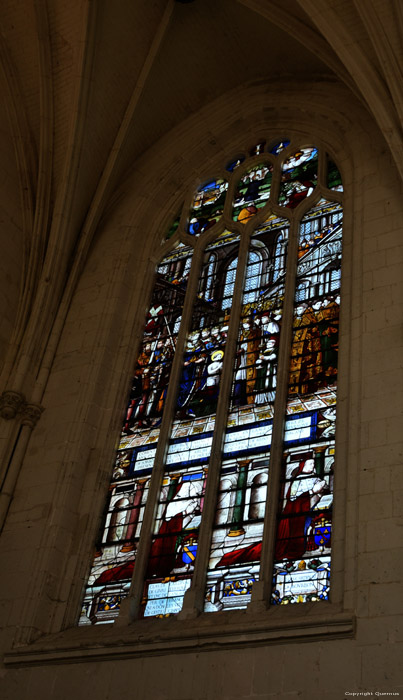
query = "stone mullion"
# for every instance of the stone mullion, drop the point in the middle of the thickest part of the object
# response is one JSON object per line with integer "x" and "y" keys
{"x": 130, "y": 606}
{"x": 262, "y": 589}
{"x": 194, "y": 596}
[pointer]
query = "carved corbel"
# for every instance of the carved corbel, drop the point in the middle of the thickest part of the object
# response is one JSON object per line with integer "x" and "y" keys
{"x": 31, "y": 413}
{"x": 11, "y": 403}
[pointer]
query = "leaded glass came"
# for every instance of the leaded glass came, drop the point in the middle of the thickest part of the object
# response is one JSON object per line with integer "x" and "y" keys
{"x": 215, "y": 323}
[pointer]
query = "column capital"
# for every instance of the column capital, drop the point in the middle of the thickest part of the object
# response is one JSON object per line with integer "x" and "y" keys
{"x": 11, "y": 403}
{"x": 31, "y": 413}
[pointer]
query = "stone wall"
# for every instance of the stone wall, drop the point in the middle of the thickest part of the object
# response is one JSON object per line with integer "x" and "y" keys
{"x": 315, "y": 652}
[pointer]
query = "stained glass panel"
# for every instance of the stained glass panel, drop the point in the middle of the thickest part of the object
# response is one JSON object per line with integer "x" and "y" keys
{"x": 207, "y": 207}
{"x": 113, "y": 565}
{"x": 252, "y": 192}
{"x": 258, "y": 149}
{"x": 174, "y": 548}
{"x": 279, "y": 147}
{"x": 301, "y": 569}
{"x": 302, "y": 554}
{"x": 333, "y": 176}
{"x": 174, "y": 227}
{"x": 237, "y": 534}
{"x": 299, "y": 177}
{"x": 234, "y": 163}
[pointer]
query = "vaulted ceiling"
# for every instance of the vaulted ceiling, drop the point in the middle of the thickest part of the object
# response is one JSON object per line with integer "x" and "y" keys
{"x": 89, "y": 86}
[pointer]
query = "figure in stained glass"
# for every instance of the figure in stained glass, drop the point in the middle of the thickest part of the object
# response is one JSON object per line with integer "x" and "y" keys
{"x": 266, "y": 373}
{"x": 207, "y": 206}
{"x": 301, "y": 569}
{"x": 306, "y": 353}
{"x": 296, "y": 533}
{"x": 174, "y": 548}
{"x": 193, "y": 376}
{"x": 252, "y": 192}
{"x": 327, "y": 314}
{"x": 299, "y": 177}
{"x": 248, "y": 353}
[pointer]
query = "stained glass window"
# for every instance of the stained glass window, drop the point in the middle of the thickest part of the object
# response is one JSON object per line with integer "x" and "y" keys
{"x": 258, "y": 251}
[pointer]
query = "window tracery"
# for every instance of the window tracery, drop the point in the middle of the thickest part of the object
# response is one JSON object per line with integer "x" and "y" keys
{"x": 214, "y": 423}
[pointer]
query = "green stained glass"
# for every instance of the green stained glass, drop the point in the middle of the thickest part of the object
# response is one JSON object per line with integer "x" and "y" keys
{"x": 333, "y": 176}
{"x": 253, "y": 192}
{"x": 299, "y": 177}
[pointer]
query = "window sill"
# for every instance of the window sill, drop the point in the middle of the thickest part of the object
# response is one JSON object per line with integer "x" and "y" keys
{"x": 209, "y": 632}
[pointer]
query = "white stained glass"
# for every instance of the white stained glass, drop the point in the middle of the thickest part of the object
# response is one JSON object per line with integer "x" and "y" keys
{"x": 229, "y": 284}
{"x": 297, "y": 429}
{"x": 247, "y": 439}
{"x": 237, "y": 435}
{"x": 177, "y": 457}
{"x": 335, "y": 280}
{"x": 200, "y": 453}
{"x": 145, "y": 460}
{"x": 203, "y": 442}
{"x": 302, "y": 582}
{"x": 144, "y": 464}
{"x": 177, "y": 588}
{"x": 187, "y": 265}
{"x": 263, "y": 441}
{"x": 178, "y": 447}
{"x": 210, "y": 276}
{"x": 302, "y": 291}
{"x": 177, "y": 325}
{"x": 174, "y": 605}
{"x": 253, "y": 274}
{"x": 166, "y": 598}
{"x": 278, "y": 257}
{"x": 236, "y": 446}
{"x": 155, "y": 607}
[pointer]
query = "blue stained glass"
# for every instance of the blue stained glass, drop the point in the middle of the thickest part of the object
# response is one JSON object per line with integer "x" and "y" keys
{"x": 207, "y": 207}
{"x": 303, "y": 544}
{"x": 237, "y": 535}
{"x": 174, "y": 548}
{"x": 234, "y": 164}
{"x": 301, "y": 569}
{"x": 113, "y": 565}
{"x": 279, "y": 147}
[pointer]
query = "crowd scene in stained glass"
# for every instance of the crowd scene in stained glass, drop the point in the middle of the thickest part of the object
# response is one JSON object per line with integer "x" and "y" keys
{"x": 301, "y": 568}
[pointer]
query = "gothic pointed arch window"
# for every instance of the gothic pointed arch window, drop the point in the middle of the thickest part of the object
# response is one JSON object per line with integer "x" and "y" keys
{"x": 247, "y": 291}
